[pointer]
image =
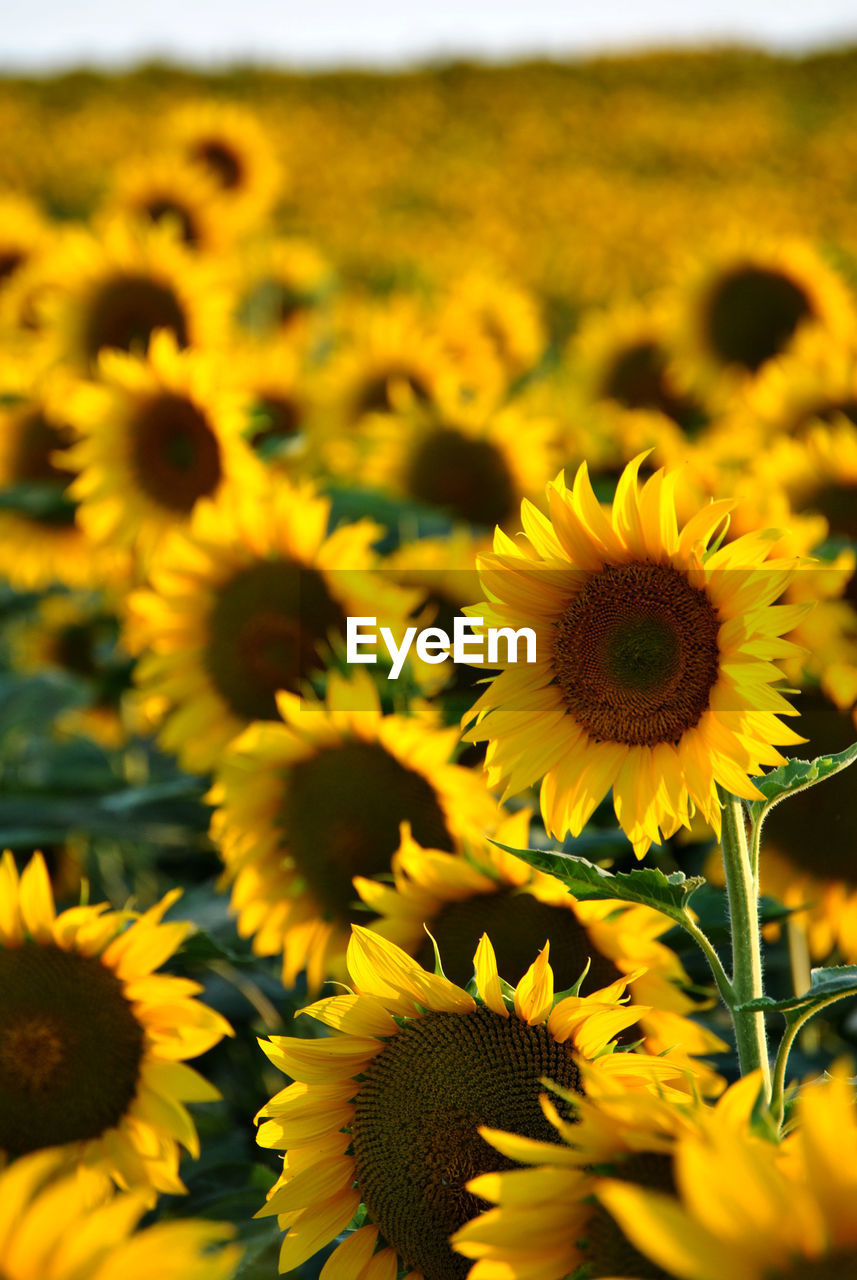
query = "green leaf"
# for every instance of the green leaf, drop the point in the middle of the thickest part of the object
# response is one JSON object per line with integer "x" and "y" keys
{"x": 797, "y": 775}
{"x": 826, "y": 985}
{"x": 668, "y": 894}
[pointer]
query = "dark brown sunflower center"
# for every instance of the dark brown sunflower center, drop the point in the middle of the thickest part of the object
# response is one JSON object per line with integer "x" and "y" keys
{"x": 608, "y": 1251}
{"x": 74, "y": 649}
{"x": 38, "y": 439}
{"x": 518, "y": 925}
{"x": 635, "y": 654}
{"x": 375, "y": 396}
{"x": 275, "y": 420}
{"x": 175, "y": 453}
{"x": 268, "y": 631}
{"x": 342, "y": 811}
{"x": 467, "y": 478}
{"x": 70, "y": 1048}
{"x": 638, "y": 379}
{"x": 826, "y": 411}
{"x": 177, "y": 214}
{"x": 416, "y": 1117}
{"x": 126, "y": 310}
{"x": 752, "y": 313}
{"x": 839, "y": 1265}
{"x": 222, "y": 162}
{"x": 10, "y": 262}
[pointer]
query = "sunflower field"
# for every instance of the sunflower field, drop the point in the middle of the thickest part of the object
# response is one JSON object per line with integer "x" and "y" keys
{"x": 332, "y": 942}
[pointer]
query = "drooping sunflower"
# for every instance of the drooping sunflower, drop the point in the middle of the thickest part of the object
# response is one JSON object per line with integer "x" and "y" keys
{"x": 750, "y": 1210}
{"x": 387, "y": 1111}
{"x": 547, "y": 1224}
{"x": 116, "y": 290}
{"x": 92, "y": 1040}
{"x": 306, "y": 804}
{"x": 229, "y": 145}
{"x": 653, "y": 672}
{"x": 746, "y": 305}
{"x": 157, "y": 434}
{"x": 50, "y": 1230}
{"x": 458, "y": 898}
{"x": 246, "y": 602}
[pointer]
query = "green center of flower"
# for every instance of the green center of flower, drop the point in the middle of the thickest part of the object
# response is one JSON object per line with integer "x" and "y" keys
{"x": 70, "y": 1048}
{"x": 467, "y": 478}
{"x": 267, "y": 631}
{"x": 342, "y": 811}
{"x": 415, "y": 1138}
{"x": 125, "y": 311}
{"x": 174, "y": 453}
{"x": 752, "y": 313}
{"x": 838, "y": 1265}
{"x": 636, "y": 655}
{"x": 518, "y": 925}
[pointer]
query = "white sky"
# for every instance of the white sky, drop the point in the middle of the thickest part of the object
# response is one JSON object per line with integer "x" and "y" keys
{"x": 45, "y": 34}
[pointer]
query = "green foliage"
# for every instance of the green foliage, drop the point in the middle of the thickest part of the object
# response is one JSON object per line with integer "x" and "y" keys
{"x": 826, "y": 987}
{"x": 797, "y": 775}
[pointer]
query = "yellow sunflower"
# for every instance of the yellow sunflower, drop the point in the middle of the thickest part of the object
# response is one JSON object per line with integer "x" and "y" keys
{"x": 50, "y": 1230}
{"x": 387, "y": 1111}
{"x": 282, "y": 286}
{"x": 281, "y": 423}
{"x": 818, "y": 474}
{"x": 244, "y": 603}
{"x": 752, "y": 1211}
{"x": 228, "y": 144}
{"x": 92, "y": 1040}
{"x": 746, "y": 305}
{"x": 492, "y": 329}
{"x": 653, "y": 672}
{"x": 306, "y": 804}
{"x": 547, "y": 1223}
{"x": 458, "y": 898}
{"x": 120, "y": 287}
{"x": 815, "y": 382}
{"x": 180, "y": 197}
{"x": 156, "y": 435}
{"x": 24, "y": 233}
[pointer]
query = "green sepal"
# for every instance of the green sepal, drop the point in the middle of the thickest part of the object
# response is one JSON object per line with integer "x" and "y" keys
{"x": 797, "y": 775}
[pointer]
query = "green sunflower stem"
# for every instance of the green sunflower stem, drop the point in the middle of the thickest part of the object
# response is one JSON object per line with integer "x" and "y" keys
{"x": 743, "y": 892}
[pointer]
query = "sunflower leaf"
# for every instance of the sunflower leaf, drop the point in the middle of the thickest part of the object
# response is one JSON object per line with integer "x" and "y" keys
{"x": 797, "y": 775}
{"x": 826, "y": 985}
{"x": 646, "y": 886}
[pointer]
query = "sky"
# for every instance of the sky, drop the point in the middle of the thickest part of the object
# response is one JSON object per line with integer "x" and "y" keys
{"x": 48, "y": 34}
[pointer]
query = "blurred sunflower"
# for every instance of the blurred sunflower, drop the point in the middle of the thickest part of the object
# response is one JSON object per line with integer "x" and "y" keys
{"x": 282, "y": 424}
{"x": 24, "y": 233}
{"x": 815, "y": 383}
{"x": 745, "y": 306}
{"x": 654, "y": 672}
{"x": 246, "y": 602}
{"x": 92, "y": 1041}
{"x": 307, "y": 804}
{"x": 229, "y": 145}
{"x": 156, "y": 435}
{"x": 119, "y": 288}
{"x": 492, "y": 329}
{"x": 752, "y": 1211}
{"x": 457, "y": 899}
{"x": 818, "y": 474}
{"x": 387, "y": 1111}
{"x": 282, "y": 286}
{"x": 548, "y": 1224}
{"x": 50, "y": 1230}
{"x": 181, "y": 198}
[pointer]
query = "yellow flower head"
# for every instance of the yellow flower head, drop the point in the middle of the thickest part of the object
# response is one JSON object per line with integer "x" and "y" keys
{"x": 51, "y": 1230}
{"x": 653, "y": 670}
{"x": 387, "y": 1110}
{"x": 92, "y": 1040}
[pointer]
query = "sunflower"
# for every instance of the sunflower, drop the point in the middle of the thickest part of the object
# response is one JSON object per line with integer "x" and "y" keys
{"x": 24, "y": 234}
{"x": 747, "y": 305}
{"x": 492, "y": 329}
{"x": 229, "y": 145}
{"x": 157, "y": 434}
{"x": 92, "y": 1040}
{"x": 281, "y": 418}
{"x": 547, "y": 1223}
{"x": 282, "y": 287}
{"x": 122, "y": 286}
{"x": 306, "y": 804}
{"x": 181, "y": 197}
{"x": 653, "y": 672}
{"x": 814, "y": 383}
{"x": 50, "y": 1230}
{"x": 471, "y": 462}
{"x": 752, "y": 1211}
{"x": 244, "y": 603}
{"x": 818, "y": 474}
{"x": 455, "y": 899}
{"x": 386, "y": 1112}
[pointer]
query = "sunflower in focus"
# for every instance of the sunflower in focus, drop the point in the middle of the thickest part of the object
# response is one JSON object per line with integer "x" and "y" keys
{"x": 230, "y": 147}
{"x": 547, "y": 1223}
{"x": 456, "y": 899}
{"x": 306, "y": 804}
{"x": 50, "y": 1230}
{"x": 753, "y": 1211}
{"x": 387, "y": 1111}
{"x": 157, "y": 435}
{"x": 748, "y": 305}
{"x": 654, "y": 671}
{"x": 92, "y": 1040}
{"x": 249, "y": 601}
